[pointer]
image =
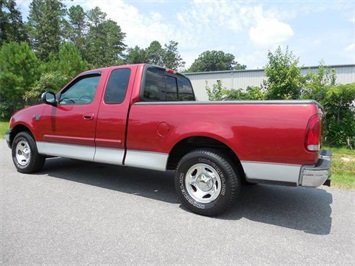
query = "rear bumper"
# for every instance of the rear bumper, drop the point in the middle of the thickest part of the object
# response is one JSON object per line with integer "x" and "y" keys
{"x": 319, "y": 174}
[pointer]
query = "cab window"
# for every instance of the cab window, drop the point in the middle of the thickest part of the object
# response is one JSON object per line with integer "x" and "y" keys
{"x": 154, "y": 86}
{"x": 161, "y": 85}
{"x": 185, "y": 91}
{"x": 117, "y": 86}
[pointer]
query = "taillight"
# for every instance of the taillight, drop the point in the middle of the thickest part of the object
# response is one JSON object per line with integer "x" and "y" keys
{"x": 313, "y": 134}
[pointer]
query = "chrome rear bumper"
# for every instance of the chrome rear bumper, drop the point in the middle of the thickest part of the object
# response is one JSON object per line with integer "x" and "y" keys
{"x": 319, "y": 174}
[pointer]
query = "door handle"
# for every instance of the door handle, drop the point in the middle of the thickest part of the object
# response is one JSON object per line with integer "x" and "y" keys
{"x": 88, "y": 116}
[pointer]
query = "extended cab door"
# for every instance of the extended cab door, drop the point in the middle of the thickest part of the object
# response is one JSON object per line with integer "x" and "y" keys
{"x": 69, "y": 127}
{"x": 112, "y": 117}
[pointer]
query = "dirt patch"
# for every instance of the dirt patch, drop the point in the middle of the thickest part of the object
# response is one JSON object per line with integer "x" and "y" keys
{"x": 348, "y": 159}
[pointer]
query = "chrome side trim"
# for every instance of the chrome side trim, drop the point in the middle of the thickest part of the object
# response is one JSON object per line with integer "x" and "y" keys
{"x": 144, "y": 159}
{"x": 109, "y": 155}
{"x": 271, "y": 172}
{"x": 141, "y": 159}
{"x": 299, "y": 175}
{"x": 79, "y": 152}
{"x": 40, "y": 147}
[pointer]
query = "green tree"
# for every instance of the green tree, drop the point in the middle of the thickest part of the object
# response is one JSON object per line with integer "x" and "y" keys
{"x": 315, "y": 82}
{"x": 58, "y": 71}
{"x": 135, "y": 55}
{"x": 76, "y": 27}
{"x": 284, "y": 76}
{"x": 216, "y": 92}
{"x": 45, "y": 21}
{"x": 171, "y": 57}
{"x": 104, "y": 42}
{"x": 12, "y": 28}
{"x": 18, "y": 72}
{"x": 339, "y": 104}
{"x": 154, "y": 54}
{"x": 215, "y": 61}
{"x": 49, "y": 81}
{"x": 69, "y": 61}
{"x": 251, "y": 93}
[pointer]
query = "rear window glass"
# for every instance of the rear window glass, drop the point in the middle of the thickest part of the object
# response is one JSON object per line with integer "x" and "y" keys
{"x": 160, "y": 85}
{"x": 185, "y": 90}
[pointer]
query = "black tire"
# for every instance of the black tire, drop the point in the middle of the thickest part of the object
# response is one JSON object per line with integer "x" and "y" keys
{"x": 206, "y": 182}
{"x": 247, "y": 183}
{"x": 25, "y": 155}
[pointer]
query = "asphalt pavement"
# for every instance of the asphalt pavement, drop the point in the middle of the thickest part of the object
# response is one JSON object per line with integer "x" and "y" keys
{"x": 79, "y": 213}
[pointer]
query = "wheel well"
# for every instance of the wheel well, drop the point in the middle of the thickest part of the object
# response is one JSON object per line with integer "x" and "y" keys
{"x": 189, "y": 144}
{"x": 17, "y": 129}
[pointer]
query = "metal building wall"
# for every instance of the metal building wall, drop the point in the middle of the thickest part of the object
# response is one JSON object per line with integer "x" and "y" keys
{"x": 241, "y": 79}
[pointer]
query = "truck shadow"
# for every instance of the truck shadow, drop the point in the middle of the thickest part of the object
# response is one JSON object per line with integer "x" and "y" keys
{"x": 299, "y": 208}
{"x": 305, "y": 209}
{"x": 142, "y": 182}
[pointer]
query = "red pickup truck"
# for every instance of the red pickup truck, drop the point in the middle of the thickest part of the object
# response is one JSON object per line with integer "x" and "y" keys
{"x": 146, "y": 116}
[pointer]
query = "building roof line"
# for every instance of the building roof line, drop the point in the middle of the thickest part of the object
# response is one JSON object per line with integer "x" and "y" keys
{"x": 260, "y": 70}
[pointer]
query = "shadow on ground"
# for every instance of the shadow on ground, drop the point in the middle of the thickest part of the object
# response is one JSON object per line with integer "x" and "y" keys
{"x": 305, "y": 209}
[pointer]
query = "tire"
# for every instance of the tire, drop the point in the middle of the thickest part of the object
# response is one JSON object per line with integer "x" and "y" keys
{"x": 206, "y": 182}
{"x": 25, "y": 155}
{"x": 247, "y": 183}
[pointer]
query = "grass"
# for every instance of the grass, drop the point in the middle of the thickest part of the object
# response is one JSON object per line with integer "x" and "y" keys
{"x": 4, "y": 126}
{"x": 343, "y": 163}
{"x": 343, "y": 168}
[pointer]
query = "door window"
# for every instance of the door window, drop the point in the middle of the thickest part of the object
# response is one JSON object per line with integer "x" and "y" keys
{"x": 82, "y": 91}
{"x": 117, "y": 86}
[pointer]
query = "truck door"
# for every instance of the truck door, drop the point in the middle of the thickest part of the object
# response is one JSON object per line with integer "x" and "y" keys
{"x": 112, "y": 117}
{"x": 69, "y": 127}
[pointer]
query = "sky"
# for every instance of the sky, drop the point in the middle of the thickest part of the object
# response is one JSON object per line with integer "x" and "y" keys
{"x": 314, "y": 31}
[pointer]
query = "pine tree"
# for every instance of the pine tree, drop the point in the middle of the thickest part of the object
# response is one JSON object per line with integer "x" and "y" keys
{"x": 77, "y": 27}
{"x": 12, "y": 28}
{"x": 46, "y": 20}
{"x": 104, "y": 42}
{"x": 18, "y": 72}
{"x": 171, "y": 57}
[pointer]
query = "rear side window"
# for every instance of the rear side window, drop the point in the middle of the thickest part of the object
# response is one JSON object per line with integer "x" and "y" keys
{"x": 154, "y": 85}
{"x": 185, "y": 90}
{"x": 163, "y": 86}
{"x": 117, "y": 86}
{"x": 171, "y": 88}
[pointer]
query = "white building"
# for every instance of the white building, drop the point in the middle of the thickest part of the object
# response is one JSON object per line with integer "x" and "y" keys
{"x": 241, "y": 79}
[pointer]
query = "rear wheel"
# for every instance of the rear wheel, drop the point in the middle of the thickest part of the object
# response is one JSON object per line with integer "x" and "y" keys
{"x": 25, "y": 155}
{"x": 206, "y": 182}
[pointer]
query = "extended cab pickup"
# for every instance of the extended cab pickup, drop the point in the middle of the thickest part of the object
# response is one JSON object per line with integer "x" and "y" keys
{"x": 146, "y": 116}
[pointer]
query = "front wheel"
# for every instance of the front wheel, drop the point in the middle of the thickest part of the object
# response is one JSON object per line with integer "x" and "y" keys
{"x": 206, "y": 182}
{"x": 25, "y": 155}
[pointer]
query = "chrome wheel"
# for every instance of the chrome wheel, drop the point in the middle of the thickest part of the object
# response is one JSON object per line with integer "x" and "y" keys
{"x": 206, "y": 182}
{"x": 203, "y": 183}
{"x": 23, "y": 153}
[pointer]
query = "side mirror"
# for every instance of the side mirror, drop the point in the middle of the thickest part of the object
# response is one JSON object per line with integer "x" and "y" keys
{"x": 48, "y": 97}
